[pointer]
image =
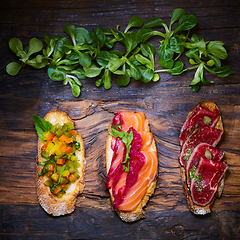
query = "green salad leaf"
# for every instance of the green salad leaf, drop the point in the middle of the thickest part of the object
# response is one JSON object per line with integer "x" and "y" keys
{"x": 95, "y": 54}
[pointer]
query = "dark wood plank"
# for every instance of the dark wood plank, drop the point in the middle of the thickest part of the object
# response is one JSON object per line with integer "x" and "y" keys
{"x": 104, "y": 224}
{"x": 165, "y": 103}
{"x": 92, "y": 119}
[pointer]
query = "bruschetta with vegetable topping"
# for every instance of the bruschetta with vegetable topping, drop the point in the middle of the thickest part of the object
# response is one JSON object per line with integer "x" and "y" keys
{"x": 60, "y": 163}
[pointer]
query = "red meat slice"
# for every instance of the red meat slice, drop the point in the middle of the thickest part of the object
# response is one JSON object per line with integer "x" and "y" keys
{"x": 210, "y": 172}
{"x": 204, "y": 134}
{"x": 196, "y": 118}
{"x": 198, "y": 154}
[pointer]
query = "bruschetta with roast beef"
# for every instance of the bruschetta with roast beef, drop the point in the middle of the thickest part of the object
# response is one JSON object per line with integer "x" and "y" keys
{"x": 60, "y": 163}
{"x": 202, "y": 165}
{"x": 131, "y": 163}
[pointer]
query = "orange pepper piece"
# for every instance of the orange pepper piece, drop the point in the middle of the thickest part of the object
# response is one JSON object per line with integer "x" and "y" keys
{"x": 56, "y": 190}
{"x": 69, "y": 149}
{"x": 60, "y": 161}
{"x": 44, "y": 146}
{"x": 50, "y": 173}
{"x": 50, "y": 137}
{"x": 68, "y": 140}
{"x": 73, "y": 132}
{"x": 71, "y": 178}
{"x": 63, "y": 138}
{"x": 54, "y": 139}
{"x": 63, "y": 148}
{"x": 51, "y": 167}
{"x": 64, "y": 186}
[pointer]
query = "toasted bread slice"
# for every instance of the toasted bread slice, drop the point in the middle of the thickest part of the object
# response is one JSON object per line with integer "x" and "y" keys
{"x": 196, "y": 209}
{"x": 50, "y": 203}
{"x": 138, "y": 213}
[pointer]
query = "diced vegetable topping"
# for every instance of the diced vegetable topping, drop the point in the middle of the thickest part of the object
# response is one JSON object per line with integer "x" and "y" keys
{"x": 60, "y": 163}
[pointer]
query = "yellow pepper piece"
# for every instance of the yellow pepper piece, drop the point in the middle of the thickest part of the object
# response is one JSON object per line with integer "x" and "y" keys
{"x": 45, "y": 135}
{"x": 54, "y": 149}
{"x": 65, "y": 173}
{"x": 55, "y": 177}
{"x": 49, "y": 147}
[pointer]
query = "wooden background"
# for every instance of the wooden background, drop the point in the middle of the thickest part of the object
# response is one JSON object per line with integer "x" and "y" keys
{"x": 165, "y": 103}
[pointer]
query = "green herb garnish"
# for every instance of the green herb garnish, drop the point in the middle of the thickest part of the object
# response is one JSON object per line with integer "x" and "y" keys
{"x": 41, "y": 126}
{"x": 127, "y": 139}
{"x": 60, "y": 175}
{"x": 77, "y": 145}
{"x": 198, "y": 178}
{"x": 187, "y": 154}
{"x": 93, "y": 54}
{"x": 192, "y": 173}
{"x": 44, "y": 165}
{"x": 198, "y": 181}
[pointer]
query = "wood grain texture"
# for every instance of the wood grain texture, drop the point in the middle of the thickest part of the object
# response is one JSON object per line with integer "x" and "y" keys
{"x": 101, "y": 224}
{"x": 165, "y": 104}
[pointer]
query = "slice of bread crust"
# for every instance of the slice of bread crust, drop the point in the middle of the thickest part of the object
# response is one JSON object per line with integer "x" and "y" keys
{"x": 66, "y": 204}
{"x": 196, "y": 209}
{"x": 138, "y": 213}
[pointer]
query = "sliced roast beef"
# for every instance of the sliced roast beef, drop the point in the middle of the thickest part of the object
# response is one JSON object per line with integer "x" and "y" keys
{"x": 201, "y": 116}
{"x": 204, "y": 134}
{"x": 202, "y": 150}
{"x": 205, "y": 183}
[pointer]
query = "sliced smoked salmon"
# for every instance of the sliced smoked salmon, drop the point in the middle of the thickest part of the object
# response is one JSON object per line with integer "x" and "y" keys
{"x": 117, "y": 158}
{"x": 134, "y": 193}
{"x": 147, "y": 139}
{"x": 130, "y": 119}
{"x": 130, "y": 176}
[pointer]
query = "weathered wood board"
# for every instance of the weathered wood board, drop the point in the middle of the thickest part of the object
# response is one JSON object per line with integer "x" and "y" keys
{"x": 165, "y": 103}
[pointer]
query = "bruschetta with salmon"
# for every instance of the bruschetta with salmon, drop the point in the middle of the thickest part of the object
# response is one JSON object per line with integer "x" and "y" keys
{"x": 131, "y": 163}
{"x": 60, "y": 163}
{"x": 202, "y": 165}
